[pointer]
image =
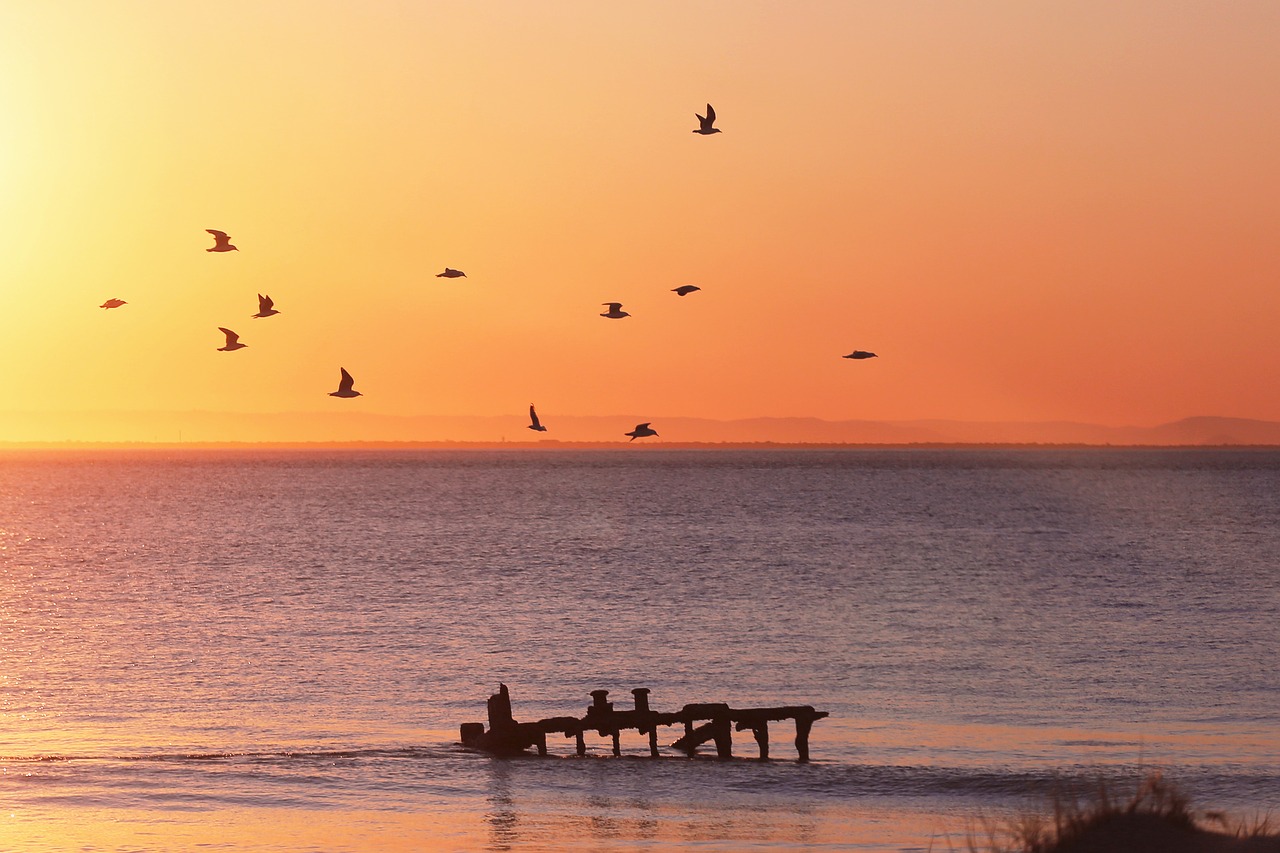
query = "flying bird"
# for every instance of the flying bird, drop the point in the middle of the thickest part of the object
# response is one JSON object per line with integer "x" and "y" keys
{"x": 641, "y": 431}
{"x": 346, "y": 386}
{"x": 534, "y": 423}
{"x": 221, "y": 242}
{"x": 705, "y": 122}
{"x": 233, "y": 341}
{"x": 685, "y": 289}
{"x": 860, "y": 354}
{"x": 113, "y": 303}
{"x": 615, "y": 311}
{"x": 448, "y": 273}
{"x": 265, "y": 306}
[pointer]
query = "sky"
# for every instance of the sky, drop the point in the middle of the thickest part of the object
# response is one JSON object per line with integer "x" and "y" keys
{"x": 1030, "y": 211}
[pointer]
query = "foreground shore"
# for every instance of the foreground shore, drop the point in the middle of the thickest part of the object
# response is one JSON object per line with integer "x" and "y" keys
{"x": 1157, "y": 818}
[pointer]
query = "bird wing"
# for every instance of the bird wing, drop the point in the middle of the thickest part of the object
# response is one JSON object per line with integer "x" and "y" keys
{"x": 220, "y": 235}
{"x": 264, "y": 303}
{"x": 232, "y": 337}
{"x": 643, "y": 426}
{"x": 533, "y": 416}
{"x": 711, "y": 114}
{"x": 612, "y": 306}
{"x": 347, "y": 382}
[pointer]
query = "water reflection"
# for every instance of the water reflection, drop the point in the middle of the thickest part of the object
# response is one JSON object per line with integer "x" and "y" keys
{"x": 598, "y": 803}
{"x": 501, "y": 815}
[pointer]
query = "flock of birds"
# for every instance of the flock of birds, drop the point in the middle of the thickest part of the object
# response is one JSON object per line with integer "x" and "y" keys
{"x": 346, "y": 384}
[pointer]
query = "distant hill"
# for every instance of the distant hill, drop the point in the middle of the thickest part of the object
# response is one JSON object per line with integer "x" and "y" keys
{"x": 348, "y": 426}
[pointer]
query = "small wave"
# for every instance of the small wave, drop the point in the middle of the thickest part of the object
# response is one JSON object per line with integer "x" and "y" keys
{"x": 819, "y": 779}
{"x": 239, "y": 755}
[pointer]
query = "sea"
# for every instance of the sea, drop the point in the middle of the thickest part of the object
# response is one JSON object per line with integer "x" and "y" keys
{"x": 273, "y": 650}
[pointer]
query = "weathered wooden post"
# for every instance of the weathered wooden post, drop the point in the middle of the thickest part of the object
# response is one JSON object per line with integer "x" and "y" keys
{"x": 500, "y": 718}
{"x": 757, "y": 719}
{"x": 598, "y": 717}
{"x": 804, "y": 722}
{"x": 761, "y": 731}
{"x": 581, "y": 744}
{"x": 471, "y": 733}
{"x": 718, "y": 728}
{"x": 642, "y": 707}
{"x": 723, "y": 735}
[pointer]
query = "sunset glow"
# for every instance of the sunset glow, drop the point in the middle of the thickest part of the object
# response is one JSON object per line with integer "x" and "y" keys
{"x": 1030, "y": 211}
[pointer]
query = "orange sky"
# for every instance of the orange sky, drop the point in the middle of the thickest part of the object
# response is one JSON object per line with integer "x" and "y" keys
{"x": 1032, "y": 211}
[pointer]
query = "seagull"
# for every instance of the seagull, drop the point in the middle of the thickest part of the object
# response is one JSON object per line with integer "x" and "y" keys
{"x": 860, "y": 354}
{"x": 706, "y": 121}
{"x": 685, "y": 289}
{"x": 113, "y": 303}
{"x": 233, "y": 341}
{"x": 265, "y": 307}
{"x": 448, "y": 273}
{"x": 221, "y": 242}
{"x": 615, "y": 311}
{"x": 641, "y": 431}
{"x": 535, "y": 424}
{"x": 345, "y": 388}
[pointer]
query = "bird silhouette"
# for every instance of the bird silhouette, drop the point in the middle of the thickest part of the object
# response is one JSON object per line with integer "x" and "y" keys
{"x": 345, "y": 386}
{"x": 233, "y": 341}
{"x": 113, "y": 303}
{"x": 860, "y": 354}
{"x": 685, "y": 289}
{"x": 705, "y": 122}
{"x": 641, "y": 431}
{"x": 265, "y": 307}
{"x": 448, "y": 273}
{"x": 615, "y": 311}
{"x": 534, "y": 423}
{"x": 221, "y": 242}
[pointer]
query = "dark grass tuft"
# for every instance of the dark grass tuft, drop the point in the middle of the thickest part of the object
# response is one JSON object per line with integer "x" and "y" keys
{"x": 1156, "y": 817}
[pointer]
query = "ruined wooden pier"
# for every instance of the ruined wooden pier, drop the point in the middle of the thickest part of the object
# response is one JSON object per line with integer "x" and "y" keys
{"x": 702, "y": 722}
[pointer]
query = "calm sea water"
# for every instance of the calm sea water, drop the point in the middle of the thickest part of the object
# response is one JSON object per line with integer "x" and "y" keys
{"x": 274, "y": 650}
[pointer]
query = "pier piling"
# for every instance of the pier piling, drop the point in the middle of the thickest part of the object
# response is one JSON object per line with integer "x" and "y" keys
{"x": 646, "y": 716}
{"x": 703, "y": 722}
{"x": 803, "y": 724}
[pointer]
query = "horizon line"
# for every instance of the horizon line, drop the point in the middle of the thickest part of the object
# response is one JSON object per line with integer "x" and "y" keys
{"x": 557, "y": 444}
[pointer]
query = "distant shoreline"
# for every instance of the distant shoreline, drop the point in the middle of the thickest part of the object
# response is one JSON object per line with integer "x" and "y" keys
{"x": 553, "y": 446}
{"x": 373, "y": 430}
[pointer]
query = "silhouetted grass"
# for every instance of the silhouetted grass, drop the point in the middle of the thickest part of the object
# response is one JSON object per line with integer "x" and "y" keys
{"x": 1157, "y": 817}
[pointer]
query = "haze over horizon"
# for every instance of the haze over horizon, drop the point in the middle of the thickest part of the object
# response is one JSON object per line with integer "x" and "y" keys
{"x": 1033, "y": 213}
{"x": 286, "y": 428}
